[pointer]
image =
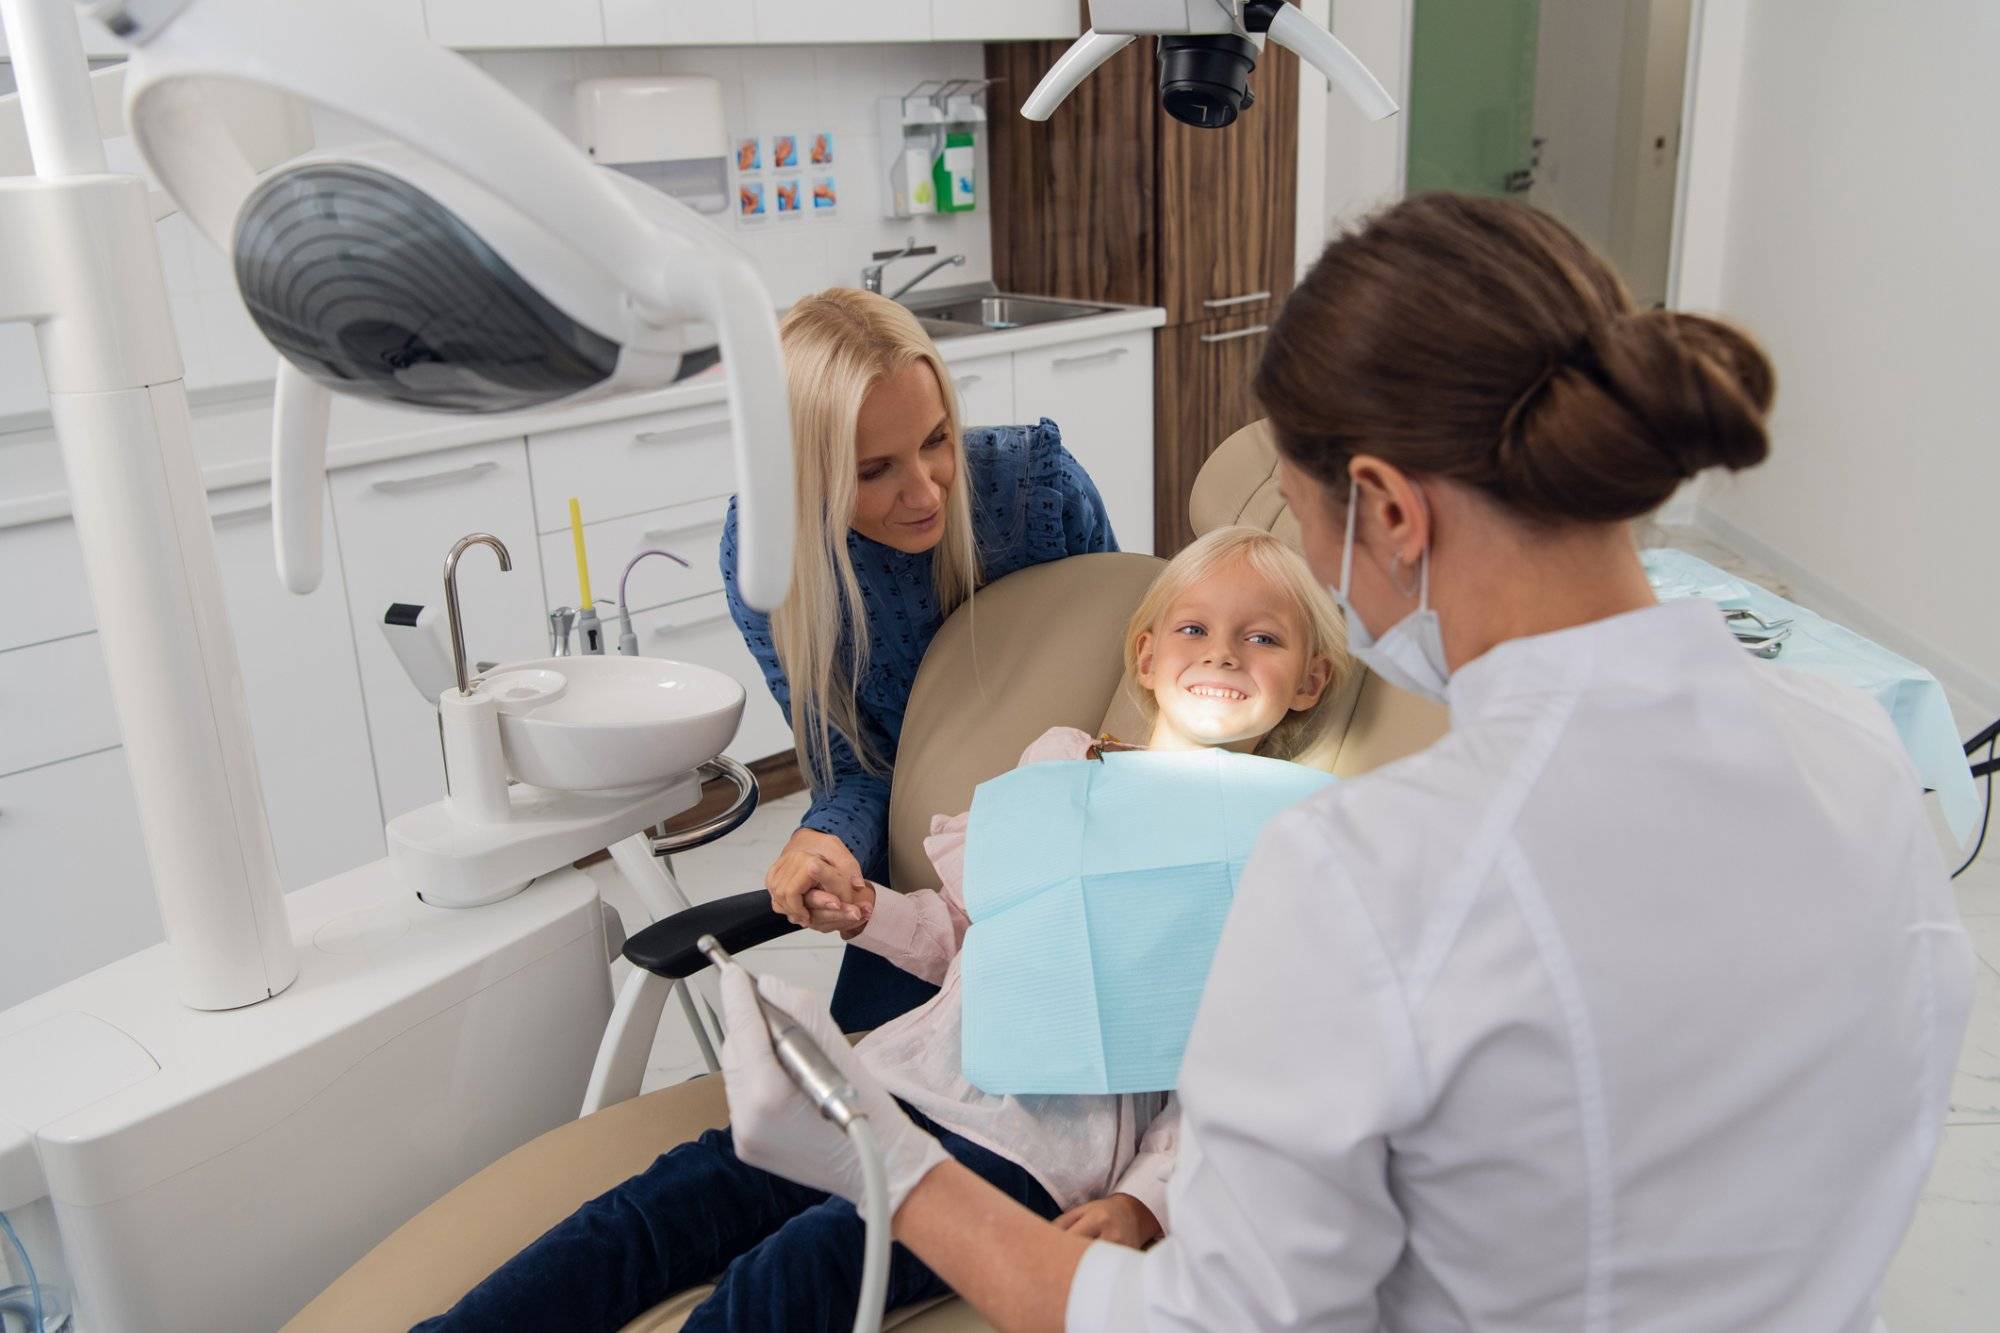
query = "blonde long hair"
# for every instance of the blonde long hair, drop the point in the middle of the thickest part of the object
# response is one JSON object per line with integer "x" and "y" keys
{"x": 1283, "y": 568}
{"x": 838, "y": 344}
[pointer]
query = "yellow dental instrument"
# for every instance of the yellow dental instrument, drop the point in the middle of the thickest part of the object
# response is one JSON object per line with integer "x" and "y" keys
{"x": 582, "y": 560}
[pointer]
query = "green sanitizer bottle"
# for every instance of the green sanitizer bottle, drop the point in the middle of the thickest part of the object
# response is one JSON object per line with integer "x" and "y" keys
{"x": 953, "y": 172}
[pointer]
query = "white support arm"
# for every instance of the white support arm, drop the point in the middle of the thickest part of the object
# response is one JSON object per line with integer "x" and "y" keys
{"x": 1325, "y": 52}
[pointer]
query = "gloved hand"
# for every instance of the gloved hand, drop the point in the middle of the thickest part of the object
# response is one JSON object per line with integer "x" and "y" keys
{"x": 777, "y": 1128}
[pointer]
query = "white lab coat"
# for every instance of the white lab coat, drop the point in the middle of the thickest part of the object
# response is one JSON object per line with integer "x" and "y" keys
{"x": 1631, "y": 1004}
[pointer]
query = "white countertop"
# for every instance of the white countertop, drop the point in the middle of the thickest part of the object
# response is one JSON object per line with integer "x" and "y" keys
{"x": 233, "y": 435}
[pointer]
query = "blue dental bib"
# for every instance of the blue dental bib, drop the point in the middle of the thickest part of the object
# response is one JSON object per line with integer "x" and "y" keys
{"x": 1097, "y": 892}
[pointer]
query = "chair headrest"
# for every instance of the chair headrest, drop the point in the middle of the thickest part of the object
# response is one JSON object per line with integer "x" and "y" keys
{"x": 1239, "y": 484}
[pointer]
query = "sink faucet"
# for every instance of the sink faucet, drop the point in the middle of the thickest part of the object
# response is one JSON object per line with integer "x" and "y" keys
{"x": 458, "y": 549}
{"x": 947, "y": 261}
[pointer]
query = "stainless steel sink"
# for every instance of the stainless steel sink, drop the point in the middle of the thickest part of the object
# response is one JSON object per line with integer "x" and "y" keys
{"x": 955, "y": 313}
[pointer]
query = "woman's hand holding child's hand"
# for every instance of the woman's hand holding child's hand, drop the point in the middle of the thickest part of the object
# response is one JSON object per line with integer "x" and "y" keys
{"x": 1120, "y": 1219}
{"x": 812, "y": 860}
{"x": 828, "y": 912}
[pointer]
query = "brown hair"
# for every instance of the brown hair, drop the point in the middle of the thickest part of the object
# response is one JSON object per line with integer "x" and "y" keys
{"x": 1482, "y": 340}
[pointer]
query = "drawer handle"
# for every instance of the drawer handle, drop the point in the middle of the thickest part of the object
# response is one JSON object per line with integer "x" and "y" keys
{"x": 424, "y": 481}
{"x": 664, "y": 534}
{"x": 1234, "y": 334}
{"x": 1108, "y": 354}
{"x": 667, "y": 434}
{"x": 1224, "y": 302}
{"x": 668, "y": 631}
{"x": 965, "y": 382}
{"x": 243, "y": 515}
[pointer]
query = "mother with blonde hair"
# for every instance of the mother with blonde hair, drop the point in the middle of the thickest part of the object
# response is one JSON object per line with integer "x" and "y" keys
{"x": 901, "y": 515}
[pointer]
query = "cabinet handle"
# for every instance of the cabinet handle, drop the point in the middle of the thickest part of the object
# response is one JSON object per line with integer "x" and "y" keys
{"x": 668, "y": 631}
{"x": 243, "y": 515}
{"x": 1234, "y": 334}
{"x": 666, "y": 434}
{"x": 663, "y": 534}
{"x": 404, "y": 485}
{"x": 965, "y": 382}
{"x": 1223, "y": 302}
{"x": 1108, "y": 354}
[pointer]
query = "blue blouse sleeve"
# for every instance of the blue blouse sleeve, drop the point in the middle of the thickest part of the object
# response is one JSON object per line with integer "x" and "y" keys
{"x": 1086, "y": 525}
{"x": 855, "y": 808}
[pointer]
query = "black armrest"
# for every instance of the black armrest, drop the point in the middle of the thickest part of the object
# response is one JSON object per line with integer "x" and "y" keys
{"x": 741, "y": 921}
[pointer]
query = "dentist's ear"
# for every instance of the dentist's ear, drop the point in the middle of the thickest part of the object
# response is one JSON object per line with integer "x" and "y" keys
{"x": 1394, "y": 519}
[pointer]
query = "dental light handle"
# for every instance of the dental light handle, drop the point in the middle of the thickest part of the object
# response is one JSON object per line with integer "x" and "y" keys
{"x": 1291, "y": 29}
{"x": 760, "y": 426}
{"x": 821, "y": 1080}
{"x": 298, "y": 475}
{"x": 1072, "y": 68}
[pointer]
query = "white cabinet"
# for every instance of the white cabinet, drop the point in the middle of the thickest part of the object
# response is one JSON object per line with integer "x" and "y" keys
{"x": 700, "y": 631}
{"x": 398, "y": 520}
{"x": 502, "y": 23}
{"x": 985, "y": 386}
{"x": 691, "y": 531}
{"x": 796, "y": 21}
{"x": 631, "y": 465}
{"x": 305, "y": 697}
{"x": 44, "y": 595}
{"x": 1100, "y": 392}
{"x": 678, "y": 23}
{"x": 75, "y": 893}
{"x": 986, "y": 21}
{"x": 55, "y": 703}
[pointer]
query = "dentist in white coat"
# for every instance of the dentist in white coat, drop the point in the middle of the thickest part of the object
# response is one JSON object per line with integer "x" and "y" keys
{"x": 1631, "y": 1003}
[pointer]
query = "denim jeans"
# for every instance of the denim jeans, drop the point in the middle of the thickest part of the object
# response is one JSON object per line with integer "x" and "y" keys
{"x": 788, "y": 1257}
{"x": 871, "y": 990}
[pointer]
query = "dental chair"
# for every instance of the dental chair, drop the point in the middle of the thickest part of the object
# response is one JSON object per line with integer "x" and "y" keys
{"x": 1040, "y": 648}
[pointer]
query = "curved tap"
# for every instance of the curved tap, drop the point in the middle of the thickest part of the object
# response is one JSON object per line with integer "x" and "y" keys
{"x": 459, "y": 548}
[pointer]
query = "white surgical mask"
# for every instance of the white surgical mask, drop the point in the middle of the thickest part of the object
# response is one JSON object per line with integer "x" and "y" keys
{"x": 1410, "y": 653}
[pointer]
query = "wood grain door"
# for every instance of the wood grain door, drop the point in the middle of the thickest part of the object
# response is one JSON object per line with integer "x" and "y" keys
{"x": 1226, "y": 203}
{"x": 1201, "y": 378}
{"x": 1074, "y": 211}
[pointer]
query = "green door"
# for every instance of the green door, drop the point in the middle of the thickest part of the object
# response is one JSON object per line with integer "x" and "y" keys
{"x": 1472, "y": 96}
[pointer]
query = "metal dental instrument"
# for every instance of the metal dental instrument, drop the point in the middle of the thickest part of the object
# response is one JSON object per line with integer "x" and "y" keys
{"x": 821, "y": 1080}
{"x": 817, "y": 1076}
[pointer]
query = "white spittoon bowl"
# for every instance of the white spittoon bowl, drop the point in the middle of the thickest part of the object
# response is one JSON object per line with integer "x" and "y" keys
{"x": 611, "y": 724}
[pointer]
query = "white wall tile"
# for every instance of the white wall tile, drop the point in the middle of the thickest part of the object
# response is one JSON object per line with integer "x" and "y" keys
{"x": 613, "y": 62}
{"x": 21, "y": 388}
{"x": 237, "y": 351}
{"x": 849, "y": 82}
{"x": 545, "y": 80}
{"x": 780, "y": 86}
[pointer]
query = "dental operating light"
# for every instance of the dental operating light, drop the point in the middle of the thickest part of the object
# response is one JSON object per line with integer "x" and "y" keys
{"x": 1207, "y": 50}
{"x": 469, "y": 260}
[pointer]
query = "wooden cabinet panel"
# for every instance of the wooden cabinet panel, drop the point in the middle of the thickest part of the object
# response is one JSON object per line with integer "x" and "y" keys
{"x": 1226, "y": 202}
{"x": 1074, "y": 200}
{"x": 1202, "y": 378}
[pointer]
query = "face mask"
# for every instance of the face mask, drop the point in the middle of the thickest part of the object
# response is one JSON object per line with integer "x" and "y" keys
{"x": 1410, "y": 655}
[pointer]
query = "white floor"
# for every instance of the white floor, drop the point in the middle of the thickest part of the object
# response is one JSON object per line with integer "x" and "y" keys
{"x": 1945, "y": 1280}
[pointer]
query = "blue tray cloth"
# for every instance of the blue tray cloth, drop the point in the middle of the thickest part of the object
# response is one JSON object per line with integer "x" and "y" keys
{"x": 1915, "y": 701}
{"x": 1097, "y": 893}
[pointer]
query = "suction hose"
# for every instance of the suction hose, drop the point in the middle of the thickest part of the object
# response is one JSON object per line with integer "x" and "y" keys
{"x": 875, "y": 1213}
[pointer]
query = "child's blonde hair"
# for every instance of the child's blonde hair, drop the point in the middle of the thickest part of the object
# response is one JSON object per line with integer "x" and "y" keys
{"x": 838, "y": 344}
{"x": 1284, "y": 569}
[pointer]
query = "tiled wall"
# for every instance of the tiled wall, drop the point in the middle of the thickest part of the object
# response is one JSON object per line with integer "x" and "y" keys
{"x": 766, "y": 90}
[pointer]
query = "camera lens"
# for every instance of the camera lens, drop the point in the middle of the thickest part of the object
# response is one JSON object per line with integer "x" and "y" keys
{"x": 1205, "y": 81}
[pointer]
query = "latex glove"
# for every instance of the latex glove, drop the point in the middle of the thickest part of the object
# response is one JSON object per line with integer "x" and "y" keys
{"x": 777, "y": 1127}
{"x": 811, "y": 860}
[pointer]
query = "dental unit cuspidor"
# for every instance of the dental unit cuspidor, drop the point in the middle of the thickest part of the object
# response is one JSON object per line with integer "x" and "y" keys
{"x": 1207, "y": 50}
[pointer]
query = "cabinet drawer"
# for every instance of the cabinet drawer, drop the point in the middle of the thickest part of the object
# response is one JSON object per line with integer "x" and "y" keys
{"x": 630, "y": 466}
{"x": 985, "y": 386}
{"x": 43, "y": 592}
{"x": 1100, "y": 392}
{"x": 701, "y": 632}
{"x": 691, "y": 531}
{"x": 55, "y": 703}
{"x": 76, "y": 893}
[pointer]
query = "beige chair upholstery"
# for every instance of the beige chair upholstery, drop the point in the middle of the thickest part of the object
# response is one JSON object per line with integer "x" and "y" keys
{"x": 1040, "y": 648}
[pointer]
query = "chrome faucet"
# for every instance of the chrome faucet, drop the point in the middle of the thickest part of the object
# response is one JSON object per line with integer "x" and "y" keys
{"x": 948, "y": 261}
{"x": 871, "y": 274}
{"x": 458, "y": 549}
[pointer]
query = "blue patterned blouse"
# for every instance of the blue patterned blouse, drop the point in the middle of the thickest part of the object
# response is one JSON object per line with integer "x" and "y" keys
{"x": 1031, "y": 502}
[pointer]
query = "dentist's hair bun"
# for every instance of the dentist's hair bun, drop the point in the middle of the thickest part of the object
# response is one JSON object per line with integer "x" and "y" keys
{"x": 1481, "y": 340}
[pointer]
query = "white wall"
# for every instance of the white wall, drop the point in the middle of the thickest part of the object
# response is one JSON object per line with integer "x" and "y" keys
{"x": 1848, "y": 222}
{"x": 1354, "y": 165}
{"x": 766, "y": 90}
{"x": 1579, "y": 68}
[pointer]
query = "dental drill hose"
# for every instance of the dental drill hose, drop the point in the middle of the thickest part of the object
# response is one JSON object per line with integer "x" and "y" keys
{"x": 821, "y": 1080}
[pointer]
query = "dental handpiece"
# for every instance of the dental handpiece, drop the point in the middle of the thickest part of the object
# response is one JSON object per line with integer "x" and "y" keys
{"x": 816, "y": 1074}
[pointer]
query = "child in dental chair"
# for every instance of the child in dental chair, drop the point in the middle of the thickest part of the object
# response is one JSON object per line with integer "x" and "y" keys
{"x": 1234, "y": 646}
